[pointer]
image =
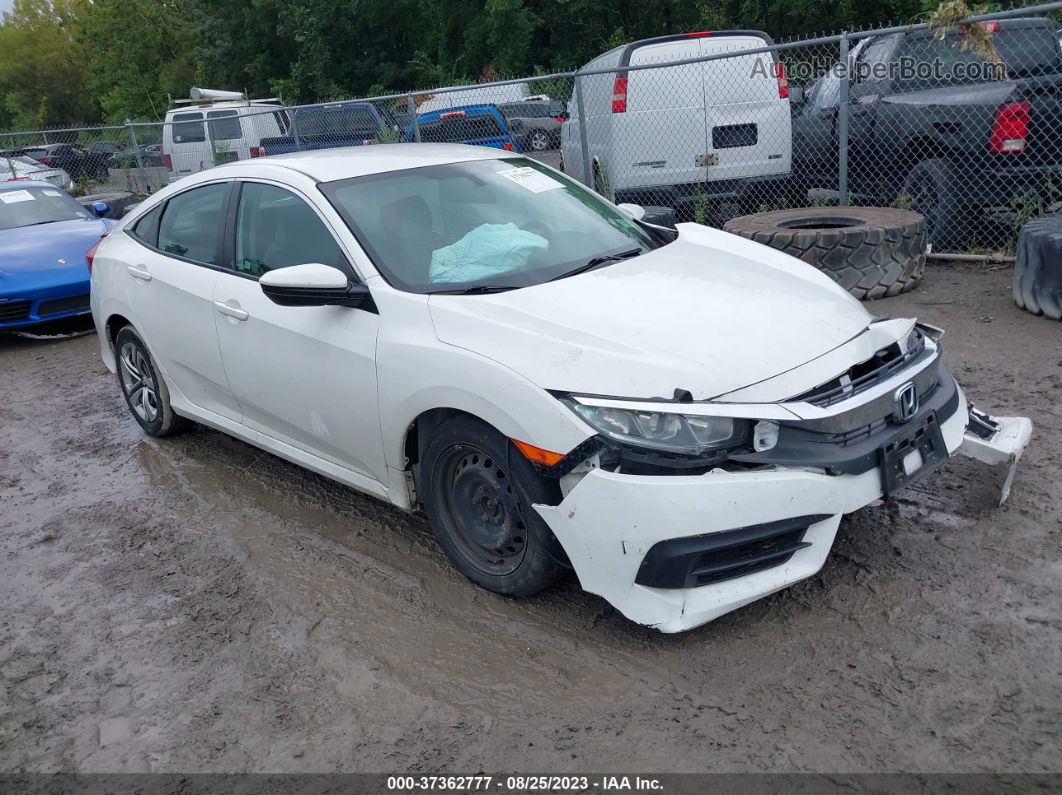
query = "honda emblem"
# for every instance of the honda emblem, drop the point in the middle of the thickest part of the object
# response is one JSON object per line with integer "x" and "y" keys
{"x": 906, "y": 399}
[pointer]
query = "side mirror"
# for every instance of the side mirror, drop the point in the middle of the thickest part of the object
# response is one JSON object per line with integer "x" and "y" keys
{"x": 558, "y": 109}
{"x": 100, "y": 209}
{"x": 312, "y": 284}
{"x": 633, "y": 211}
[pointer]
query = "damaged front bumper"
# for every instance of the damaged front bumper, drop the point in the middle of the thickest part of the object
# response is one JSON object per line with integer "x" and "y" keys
{"x": 676, "y": 551}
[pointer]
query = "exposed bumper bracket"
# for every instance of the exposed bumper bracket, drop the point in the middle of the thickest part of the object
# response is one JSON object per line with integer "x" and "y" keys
{"x": 997, "y": 440}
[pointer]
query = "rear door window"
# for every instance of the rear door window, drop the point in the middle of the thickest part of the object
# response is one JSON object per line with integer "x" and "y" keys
{"x": 225, "y": 125}
{"x": 188, "y": 128}
{"x": 191, "y": 224}
{"x": 146, "y": 230}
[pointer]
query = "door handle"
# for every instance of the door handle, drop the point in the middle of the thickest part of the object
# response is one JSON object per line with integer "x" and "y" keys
{"x": 231, "y": 311}
{"x": 139, "y": 272}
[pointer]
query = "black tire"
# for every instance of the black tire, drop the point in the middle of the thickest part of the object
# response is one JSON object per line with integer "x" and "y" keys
{"x": 478, "y": 490}
{"x": 872, "y": 252}
{"x": 150, "y": 404}
{"x": 538, "y": 141}
{"x": 933, "y": 188}
{"x": 1038, "y": 268}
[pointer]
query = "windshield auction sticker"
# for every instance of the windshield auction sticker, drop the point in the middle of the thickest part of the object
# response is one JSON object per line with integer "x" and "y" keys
{"x": 15, "y": 196}
{"x": 527, "y": 177}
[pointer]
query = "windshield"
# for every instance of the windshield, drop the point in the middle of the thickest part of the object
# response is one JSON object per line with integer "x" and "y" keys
{"x": 29, "y": 206}
{"x": 500, "y": 223}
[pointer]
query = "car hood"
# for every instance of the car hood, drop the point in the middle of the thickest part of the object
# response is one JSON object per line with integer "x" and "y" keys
{"x": 709, "y": 313}
{"x": 32, "y": 249}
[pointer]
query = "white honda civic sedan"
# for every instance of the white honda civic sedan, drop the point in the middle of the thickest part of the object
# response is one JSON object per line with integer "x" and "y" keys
{"x": 682, "y": 418}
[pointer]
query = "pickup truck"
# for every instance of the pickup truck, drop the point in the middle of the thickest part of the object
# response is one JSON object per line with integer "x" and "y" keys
{"x": 940, "y": 129}
{"x": 332, "y": 125}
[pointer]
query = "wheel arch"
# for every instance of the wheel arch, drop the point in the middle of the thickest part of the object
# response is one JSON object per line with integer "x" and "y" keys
{"x": 115, "y": 323}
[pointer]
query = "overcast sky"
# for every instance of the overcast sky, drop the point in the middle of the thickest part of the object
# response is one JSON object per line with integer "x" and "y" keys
{"x": 5, "y": 5}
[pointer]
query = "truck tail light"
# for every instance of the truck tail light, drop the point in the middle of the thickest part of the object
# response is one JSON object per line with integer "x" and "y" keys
{"x": 508, "y": 147}
{"x": 990, "y": 27}
{"x": 701, "y": 34}
{"x": 619, "y": 94}
{"x": 167, "y": 162}
{"x": 783, "y": 81}
{"x": 453, "y": 114}
{"x": 1010, "y": 128}
{"x": 258, "y": 151}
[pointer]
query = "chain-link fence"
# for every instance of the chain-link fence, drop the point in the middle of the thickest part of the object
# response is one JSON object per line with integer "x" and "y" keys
{"x": 962, "y": 124}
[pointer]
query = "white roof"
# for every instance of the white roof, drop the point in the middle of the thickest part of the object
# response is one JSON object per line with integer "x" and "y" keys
{"x": 326, "y": 165}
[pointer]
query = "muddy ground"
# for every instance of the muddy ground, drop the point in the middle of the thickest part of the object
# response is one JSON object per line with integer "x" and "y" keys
{"x": 194, "y": 604}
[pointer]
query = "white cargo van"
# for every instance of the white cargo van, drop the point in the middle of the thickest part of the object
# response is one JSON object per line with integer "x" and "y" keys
{"x": 668, "y": 136}
{"x": 215, "y": 127}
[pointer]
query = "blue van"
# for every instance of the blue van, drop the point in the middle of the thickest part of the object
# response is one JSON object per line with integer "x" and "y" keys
{"x": 477, "y": 125}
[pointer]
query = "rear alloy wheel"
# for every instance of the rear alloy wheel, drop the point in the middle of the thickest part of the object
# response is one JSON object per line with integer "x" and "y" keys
{"x": 144, "y": 391}
{"x": 539, "y": 141}
{"x": 478, "y": 492}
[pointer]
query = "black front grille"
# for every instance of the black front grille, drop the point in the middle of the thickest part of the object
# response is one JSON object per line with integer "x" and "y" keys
{"x": 61, "y": 305}
{"x": 714, "y": 557}
{"x": 863, "y": 376}
{"x": 10, "y": 311}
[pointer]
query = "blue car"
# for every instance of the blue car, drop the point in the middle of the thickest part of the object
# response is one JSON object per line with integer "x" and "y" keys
{"x": 44, "y": 235}
{"x": 477, "y": 125}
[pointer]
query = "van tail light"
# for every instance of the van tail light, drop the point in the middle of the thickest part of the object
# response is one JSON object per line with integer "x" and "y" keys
{"x": 783, "y": 81}
{"x": 701, "y": 34}
{"x": 91, "y": 253}
{"x": 167, "y": 162}
{"x": 559, "y": 119}
{"x": 257, "y": 151}
{"x": 508, "y": 147}
{"x": 1010, "y": 129}
{"x": 619, "y": 94}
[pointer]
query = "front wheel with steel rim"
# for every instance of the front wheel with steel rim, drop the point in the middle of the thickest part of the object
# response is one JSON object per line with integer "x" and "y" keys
{"x": 145, "y": 392}
{"x": 478, "y": 491}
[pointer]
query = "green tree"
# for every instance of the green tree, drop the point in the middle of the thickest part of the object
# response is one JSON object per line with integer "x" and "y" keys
{"x": 42, "y": 65}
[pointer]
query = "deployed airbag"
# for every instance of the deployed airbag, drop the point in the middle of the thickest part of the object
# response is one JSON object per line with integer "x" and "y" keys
{"x": 488, "y": 250}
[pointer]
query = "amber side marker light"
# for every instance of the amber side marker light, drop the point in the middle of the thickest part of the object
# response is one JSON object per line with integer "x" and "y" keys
{"x": 537, "y": 455}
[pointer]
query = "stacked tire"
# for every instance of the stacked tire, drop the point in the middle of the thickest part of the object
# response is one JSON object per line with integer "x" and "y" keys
{"x": 872, "y": 252}
{"x": 1038, "y": 268}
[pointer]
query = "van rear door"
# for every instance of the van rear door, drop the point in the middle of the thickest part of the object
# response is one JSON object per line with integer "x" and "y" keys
{"x": 658, "y": 118}
{"x": 748, "y": 121}
{"x": 189, "y": 148}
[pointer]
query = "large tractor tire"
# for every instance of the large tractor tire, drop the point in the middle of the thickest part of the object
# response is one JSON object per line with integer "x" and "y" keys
{"x": 872, "y": 252}
{"x": 1038, "y": 268}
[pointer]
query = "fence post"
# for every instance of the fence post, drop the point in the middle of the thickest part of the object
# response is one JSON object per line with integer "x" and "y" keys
{"x": 842, "y": 124}
{"x": 136, "y": 155}
{"x": 411, "y": 107}
{"x": 584, "y": 145}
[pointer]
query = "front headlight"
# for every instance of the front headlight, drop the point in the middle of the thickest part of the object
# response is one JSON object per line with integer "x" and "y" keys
{"x": 662, "y": 430}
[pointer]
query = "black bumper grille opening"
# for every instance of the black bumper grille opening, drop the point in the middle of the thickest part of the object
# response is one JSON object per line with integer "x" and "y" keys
{"x": 726, "y": 564}
{"x": 61, "y": 305}
{"x": 10, "y": 311}
{"x": 693, "y": 561}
